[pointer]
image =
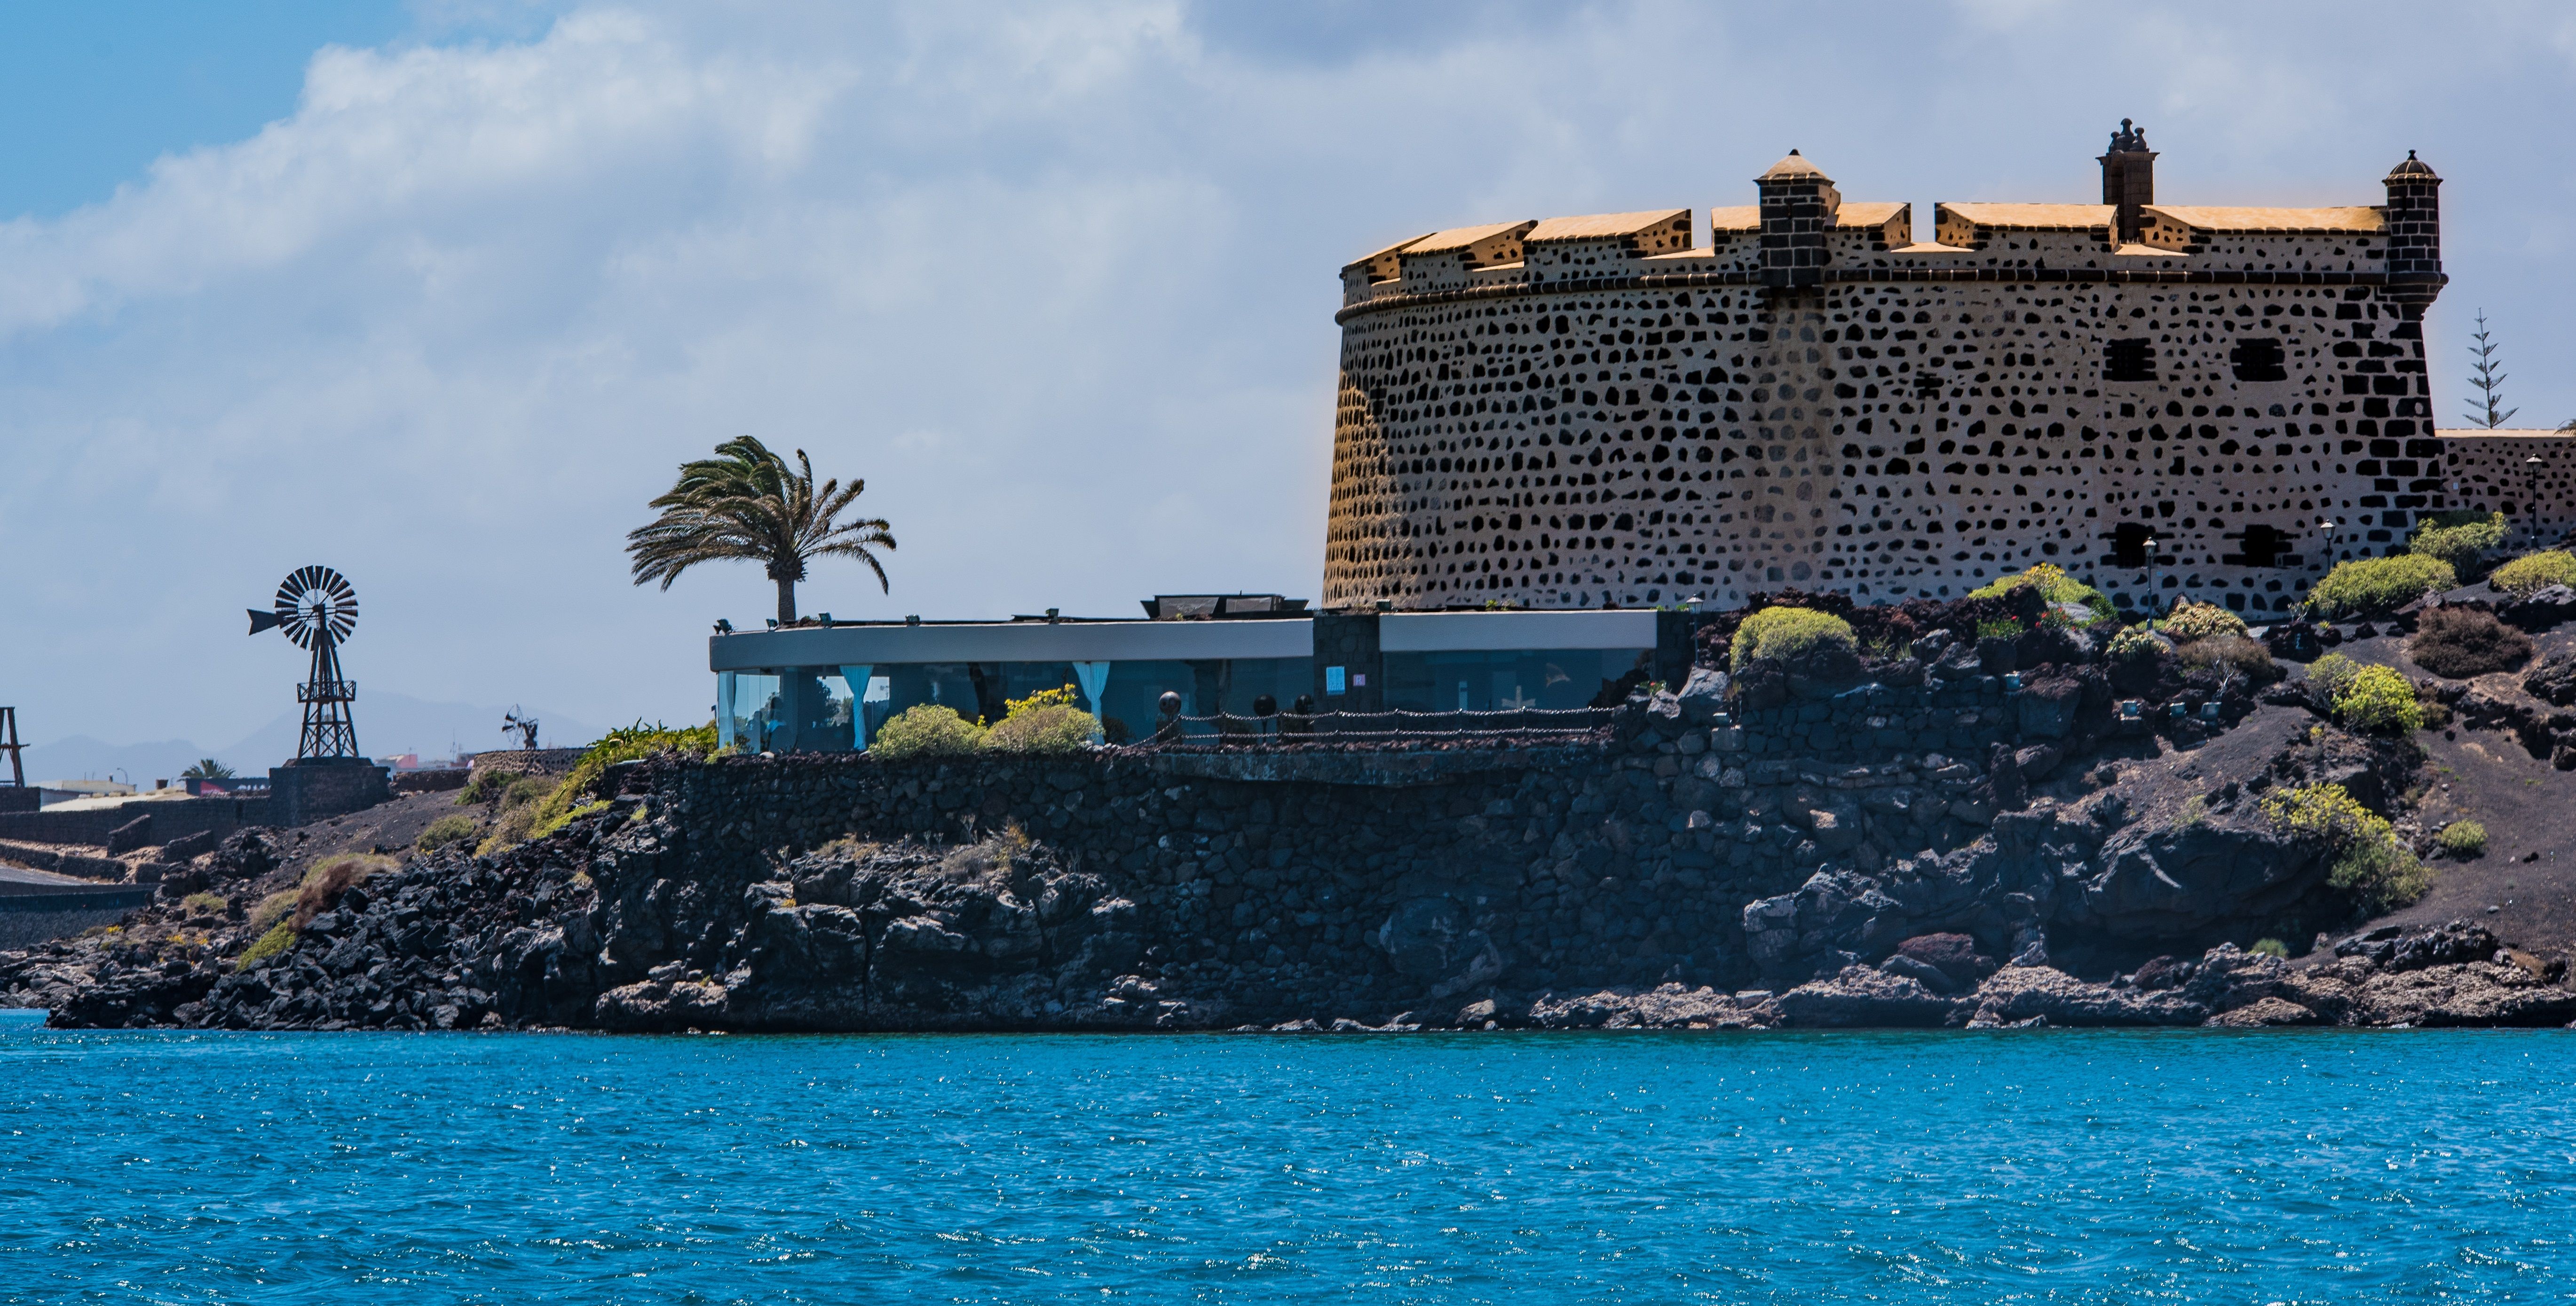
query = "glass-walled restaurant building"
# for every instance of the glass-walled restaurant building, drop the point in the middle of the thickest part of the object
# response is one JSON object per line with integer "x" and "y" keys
{"x": 828, "y": 686}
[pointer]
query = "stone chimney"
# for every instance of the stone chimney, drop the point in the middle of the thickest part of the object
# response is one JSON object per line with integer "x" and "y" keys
{"x": 1798, "y": 206}
{"x": 2128, "y": 181}
{"x": 2414, "y": 232}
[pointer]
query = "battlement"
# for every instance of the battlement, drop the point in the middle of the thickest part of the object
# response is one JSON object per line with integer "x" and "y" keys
{"x": 1848, "y": 240}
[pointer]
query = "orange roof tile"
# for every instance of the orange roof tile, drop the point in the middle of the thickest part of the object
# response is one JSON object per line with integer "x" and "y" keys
{"x": 2223, "y": 218}
{"x": 2035, "y": 215}
{"x": 1602, "y": 226}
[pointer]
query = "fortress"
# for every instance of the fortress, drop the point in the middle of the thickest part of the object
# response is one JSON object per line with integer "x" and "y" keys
{"x": 1598, "y": 411}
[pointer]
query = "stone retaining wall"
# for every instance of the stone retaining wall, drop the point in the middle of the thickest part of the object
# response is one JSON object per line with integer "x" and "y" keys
{"x": 172, "y": 818}
{"x": 1304, "y": 875}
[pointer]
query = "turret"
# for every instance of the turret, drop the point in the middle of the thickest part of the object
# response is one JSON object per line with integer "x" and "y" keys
{"x": 2414, "y": 232}
{"x": 1798, "y": 206}
{"x": 2128, "y": 181}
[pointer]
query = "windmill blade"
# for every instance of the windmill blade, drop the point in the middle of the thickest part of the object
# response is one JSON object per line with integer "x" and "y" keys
{"x": 260, "y": 621}
{"x": 316, "y": 604}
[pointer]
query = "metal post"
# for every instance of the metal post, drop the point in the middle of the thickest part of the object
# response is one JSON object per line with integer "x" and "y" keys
{"x": 2531, "y": 499}
{"x": 2151, "y": 575}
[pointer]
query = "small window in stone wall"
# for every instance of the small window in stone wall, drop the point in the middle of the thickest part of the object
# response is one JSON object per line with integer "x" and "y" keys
{"x": 2263, "y": 547}
{"x": 2129, "y": 544}
{"x": 2258, "y": 360}
{"x": 2128, "y": 360}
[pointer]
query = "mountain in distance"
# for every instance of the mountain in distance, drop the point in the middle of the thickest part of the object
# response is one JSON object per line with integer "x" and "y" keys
{"x": 388, "y": 724}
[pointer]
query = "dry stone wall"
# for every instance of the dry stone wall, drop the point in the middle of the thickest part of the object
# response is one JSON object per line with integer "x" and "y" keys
{"x": 1813, "y": 402}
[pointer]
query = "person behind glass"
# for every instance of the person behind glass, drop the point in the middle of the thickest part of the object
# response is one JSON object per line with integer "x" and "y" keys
{"x": 1167, "y": 722}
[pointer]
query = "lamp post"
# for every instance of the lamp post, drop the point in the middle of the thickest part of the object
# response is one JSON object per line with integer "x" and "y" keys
{"x": 2531, "y": 498}
{"x": 2151, "y": 575}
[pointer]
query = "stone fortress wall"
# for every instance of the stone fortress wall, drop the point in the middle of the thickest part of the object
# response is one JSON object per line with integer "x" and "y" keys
{"x": 2491, "y": 470}
{"x": 1597, "y": 411}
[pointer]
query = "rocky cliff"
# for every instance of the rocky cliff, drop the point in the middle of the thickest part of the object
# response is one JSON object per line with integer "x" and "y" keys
{"x": 1668, "y": 875}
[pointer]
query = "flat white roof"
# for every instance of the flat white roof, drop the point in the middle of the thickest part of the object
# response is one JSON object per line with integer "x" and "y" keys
{"x": 1013, "y": 641}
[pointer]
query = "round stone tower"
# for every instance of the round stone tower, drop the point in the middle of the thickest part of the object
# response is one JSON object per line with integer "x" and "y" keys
{"x": 1599, "y": 410}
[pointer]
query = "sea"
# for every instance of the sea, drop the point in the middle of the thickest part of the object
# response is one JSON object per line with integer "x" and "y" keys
{"x": 2012, "y": 1166}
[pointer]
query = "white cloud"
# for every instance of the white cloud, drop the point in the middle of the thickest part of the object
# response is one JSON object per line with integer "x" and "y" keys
{"x": 1057, "y": 280}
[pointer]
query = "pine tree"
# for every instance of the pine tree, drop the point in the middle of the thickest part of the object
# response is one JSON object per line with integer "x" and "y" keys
{"x": 2486, "y": 380}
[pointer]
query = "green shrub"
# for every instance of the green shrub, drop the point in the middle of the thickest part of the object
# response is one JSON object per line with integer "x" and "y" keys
{"x": 450, "y": 829}
{"x": 272, "y": 909}
{"x": 1787, "y": 632}
{"x": 2270, "y": 948}
{"x": 2460, "y": 537}
{"x": 526, "y": 789}
{"x": 2189, "y": 621}
{"x": 2368, "y": 861}
{"x": 278, "y": 939}
{"x": 926, "y": 730}
{"x": 2534, "y": 572}
{"x": 2368, "y": 586}
{"x": 549, "y": 824}
{"x": 2236, "y": 653}
{"x": 2462, "y": 839}
{"x": 2137, "y": 644}
{"x": 2379, "y": 699}
{"x": 561, "y": 802}
{"x": 1048, "y": 721}
{"x": 2328, "y": 675}
{"x": 516, "y": 825}
{"x": 2054, "y": 585}
{"x": 2384, "y": 875}
{"x": 2462, "y": 642}
{"x": 1999, "y": 628}
{"x": 203, "y": 904}
{"x": 481, "y": 787}
{"x": 283, "y": 915}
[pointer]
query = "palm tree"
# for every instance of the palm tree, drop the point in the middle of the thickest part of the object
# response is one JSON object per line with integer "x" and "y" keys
{"x": 747, "y": 504}
{"x": 206, "y": 768}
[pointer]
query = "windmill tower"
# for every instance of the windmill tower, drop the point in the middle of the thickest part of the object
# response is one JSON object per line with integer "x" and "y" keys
{"x": 318, "y": 609}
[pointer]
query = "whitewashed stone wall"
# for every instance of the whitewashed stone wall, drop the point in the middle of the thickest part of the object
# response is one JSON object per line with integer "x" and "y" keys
{"x": 1576, "y": 413}
{"x": 2491, "y": 471}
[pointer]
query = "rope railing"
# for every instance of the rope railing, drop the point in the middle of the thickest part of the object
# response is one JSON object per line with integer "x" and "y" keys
{"x": 1227, "y": 729}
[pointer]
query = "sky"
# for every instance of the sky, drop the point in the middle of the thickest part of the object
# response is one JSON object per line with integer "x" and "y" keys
{"x": 440, "y": 294}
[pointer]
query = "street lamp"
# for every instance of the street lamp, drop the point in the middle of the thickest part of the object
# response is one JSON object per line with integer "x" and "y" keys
{"x": 2531, "y": 498}
{"x": 2151, "y": 574}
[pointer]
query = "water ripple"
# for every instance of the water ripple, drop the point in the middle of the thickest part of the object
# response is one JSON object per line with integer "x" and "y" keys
{"x": 2067, "y": 1166}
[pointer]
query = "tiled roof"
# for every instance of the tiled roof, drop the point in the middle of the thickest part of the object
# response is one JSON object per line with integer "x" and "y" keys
{"x": 1865, "y": 213}
{"x": 1743, "y": 217}
{"x": 2035, "y": 215}
{"x": 1600, "y": 226}
{"x": 1461, "y": 237}
{"x": 1793, "y": 168}
{"x": 1374, "y": 255}
{"x": 2357, "y": 220}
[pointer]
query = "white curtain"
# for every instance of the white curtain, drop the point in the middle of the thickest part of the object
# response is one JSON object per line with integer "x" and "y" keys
{"x": 856, "y": 678}
{"x": 724, "y": 709}
{"x": 1094, "y": 677}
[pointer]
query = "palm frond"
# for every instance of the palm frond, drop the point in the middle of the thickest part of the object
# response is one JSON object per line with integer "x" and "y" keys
{"x": 747, "y": 504}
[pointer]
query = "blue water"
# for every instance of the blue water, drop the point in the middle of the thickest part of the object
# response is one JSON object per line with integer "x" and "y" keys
{"x": 2035, "y": 1166}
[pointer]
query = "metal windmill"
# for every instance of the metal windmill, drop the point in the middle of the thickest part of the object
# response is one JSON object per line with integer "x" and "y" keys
{"x": 518, "y": 720}
{"x": 317, "y": 609}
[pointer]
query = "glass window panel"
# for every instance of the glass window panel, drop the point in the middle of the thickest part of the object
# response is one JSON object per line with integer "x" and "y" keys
{"x": 1498, "y": 680}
